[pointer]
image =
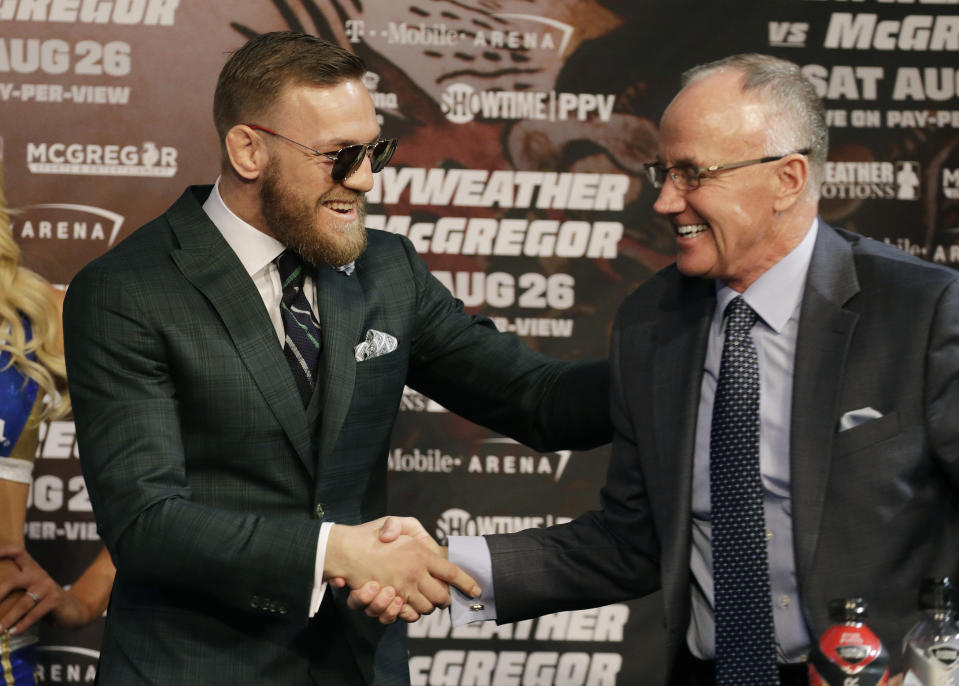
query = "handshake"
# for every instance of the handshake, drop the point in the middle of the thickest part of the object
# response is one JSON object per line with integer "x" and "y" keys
{"x": 394, "y": 568}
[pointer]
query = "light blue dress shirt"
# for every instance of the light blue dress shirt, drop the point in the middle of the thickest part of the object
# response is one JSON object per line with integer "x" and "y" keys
{"x": 776, "y": 297}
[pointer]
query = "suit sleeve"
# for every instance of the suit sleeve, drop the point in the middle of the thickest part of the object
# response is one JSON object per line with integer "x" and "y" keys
{"x": 942, "y": 383}
{"x": 128, "y": 428}
{"x": 601, "y": 557}
{"x": 493, "y": 379}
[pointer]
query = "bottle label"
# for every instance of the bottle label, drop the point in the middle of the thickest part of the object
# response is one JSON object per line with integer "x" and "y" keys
{"x": 937, "y": 665}
{"x": 946, "y": 655}
{"x": 849, "y": 655}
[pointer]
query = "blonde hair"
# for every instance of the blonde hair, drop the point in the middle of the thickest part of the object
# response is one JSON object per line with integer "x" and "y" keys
{"x": 24, "y": 293}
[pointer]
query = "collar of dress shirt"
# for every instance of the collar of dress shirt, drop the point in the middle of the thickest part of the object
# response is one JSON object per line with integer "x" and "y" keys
{"x": 254, "y": 248}
{"x": 775, "y": 295}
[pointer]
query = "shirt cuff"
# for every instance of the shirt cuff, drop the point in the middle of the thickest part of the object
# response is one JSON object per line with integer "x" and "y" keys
{"x": 319, "y": 586}
{"x": 471, "y": 554}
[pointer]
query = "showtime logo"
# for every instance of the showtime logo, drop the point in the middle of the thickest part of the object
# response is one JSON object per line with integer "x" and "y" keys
{"x": 88, "y": 159}
{"x": 461, "y": 103}
{"x": 457, "y": 522}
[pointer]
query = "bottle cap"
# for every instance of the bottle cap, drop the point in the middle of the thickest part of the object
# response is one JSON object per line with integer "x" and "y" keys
{"x": 847, "y": 610}
{"x": 937, "y": 593}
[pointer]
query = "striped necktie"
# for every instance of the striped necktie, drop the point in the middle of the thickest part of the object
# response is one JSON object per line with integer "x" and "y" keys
{"x": 302, "y": 344}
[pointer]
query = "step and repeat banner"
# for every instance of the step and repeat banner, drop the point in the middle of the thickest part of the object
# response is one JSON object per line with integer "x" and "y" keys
{"x": 523, "y": 127}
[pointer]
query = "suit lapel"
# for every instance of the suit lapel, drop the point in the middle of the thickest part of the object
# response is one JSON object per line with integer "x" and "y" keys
{"x": 342, "y": 308}
{"x": 679, "y": 355}
{"x": 207, "y": 261}
{"x": 822, "y": 345}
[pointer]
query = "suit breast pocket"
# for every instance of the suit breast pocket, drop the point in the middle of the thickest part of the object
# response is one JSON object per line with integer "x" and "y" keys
{"x": 381, "y": 375}
{"x": 866, "y": 435}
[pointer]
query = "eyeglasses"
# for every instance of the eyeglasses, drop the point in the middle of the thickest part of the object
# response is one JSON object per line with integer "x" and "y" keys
{"x": 347, "y": 160}
{"x": 688, "y": 177}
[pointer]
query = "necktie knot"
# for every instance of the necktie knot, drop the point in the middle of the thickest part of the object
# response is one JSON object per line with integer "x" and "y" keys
{"x": 740, "y": 317}
{"x": 292, "y": 273}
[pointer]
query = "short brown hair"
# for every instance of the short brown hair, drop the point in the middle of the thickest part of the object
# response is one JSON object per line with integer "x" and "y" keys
{"x": 255, "y": 75}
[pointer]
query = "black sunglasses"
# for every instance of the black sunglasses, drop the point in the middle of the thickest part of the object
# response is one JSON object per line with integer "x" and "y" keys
{"x": 347, "y": 160}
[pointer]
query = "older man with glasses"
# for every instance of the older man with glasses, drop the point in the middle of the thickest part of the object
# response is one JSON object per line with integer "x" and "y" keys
{"x": 786, "y": 406}
{"x": 236, "y": 366}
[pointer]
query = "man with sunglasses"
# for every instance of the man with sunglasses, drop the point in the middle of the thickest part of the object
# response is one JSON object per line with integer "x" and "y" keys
{"x": 236, "y": 367}
{"x": 786, "y": 406}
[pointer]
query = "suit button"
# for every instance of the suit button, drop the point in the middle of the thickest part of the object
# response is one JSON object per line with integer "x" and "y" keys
{"x": 319, "y": 511}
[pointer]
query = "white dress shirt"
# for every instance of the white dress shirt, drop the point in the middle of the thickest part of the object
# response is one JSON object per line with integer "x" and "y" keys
{"x": 257, "y": 252}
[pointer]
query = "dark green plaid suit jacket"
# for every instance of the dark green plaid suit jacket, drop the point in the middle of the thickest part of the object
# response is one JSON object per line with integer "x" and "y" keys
{"x": 208, "y": 478}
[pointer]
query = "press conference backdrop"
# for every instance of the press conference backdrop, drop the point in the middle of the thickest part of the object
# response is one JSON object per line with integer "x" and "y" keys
{"x": 524, "y": 125}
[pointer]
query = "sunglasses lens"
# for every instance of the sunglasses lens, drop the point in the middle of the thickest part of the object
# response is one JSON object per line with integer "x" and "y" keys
{"x": 350, "y": 157}
{"x": 347, "y": 160}
{"x": 382, "y": 152}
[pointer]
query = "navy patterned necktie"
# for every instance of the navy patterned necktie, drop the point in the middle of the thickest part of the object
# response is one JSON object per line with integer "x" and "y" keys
{"x": 745, "y": 634}
{"x": 302, "y": 344}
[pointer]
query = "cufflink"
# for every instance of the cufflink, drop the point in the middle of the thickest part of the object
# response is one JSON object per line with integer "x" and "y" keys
{"x": 477, "y": 607}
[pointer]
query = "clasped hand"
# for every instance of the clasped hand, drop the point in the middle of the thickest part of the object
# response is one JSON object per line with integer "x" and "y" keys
{"x": 394, "y": 568}
{"x": 27, "y": 593}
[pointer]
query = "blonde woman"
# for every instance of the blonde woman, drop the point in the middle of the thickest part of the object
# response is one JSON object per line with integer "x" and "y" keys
{"x": 32, "y": 389}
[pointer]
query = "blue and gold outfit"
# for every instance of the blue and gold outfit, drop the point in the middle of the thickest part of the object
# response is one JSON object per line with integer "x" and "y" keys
{"x": 19, "y": 434}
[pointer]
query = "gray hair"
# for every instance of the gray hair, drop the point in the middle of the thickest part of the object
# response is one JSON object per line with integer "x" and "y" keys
{"x": 795, "y": 112}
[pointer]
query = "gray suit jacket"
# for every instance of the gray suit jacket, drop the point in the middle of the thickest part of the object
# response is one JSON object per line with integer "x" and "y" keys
{"x": 209, "y": 480}
{"x": 875, "y": 508}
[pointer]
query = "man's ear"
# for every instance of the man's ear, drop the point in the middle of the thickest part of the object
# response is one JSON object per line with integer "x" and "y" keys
{"x": 792, "y": 177}
{"x": 247, "y": 152}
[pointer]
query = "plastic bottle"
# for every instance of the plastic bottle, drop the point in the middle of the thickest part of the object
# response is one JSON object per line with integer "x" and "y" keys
{"x": 848, "y": 653}
{"x": 931, "y": 648}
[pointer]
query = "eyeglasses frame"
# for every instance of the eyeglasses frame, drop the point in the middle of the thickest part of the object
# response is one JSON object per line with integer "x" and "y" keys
{"x": 650, "y": 168}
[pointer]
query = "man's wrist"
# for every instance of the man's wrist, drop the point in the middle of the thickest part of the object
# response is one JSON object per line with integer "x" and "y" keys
{"x": 319, "y": 583}
{"x": 336, "y": 552}
{"x": 471, "y": 554}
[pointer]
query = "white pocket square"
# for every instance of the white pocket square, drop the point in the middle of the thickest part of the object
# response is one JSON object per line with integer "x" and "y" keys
{"x": 377, "y": 343}
{"x": 854, "y": 418}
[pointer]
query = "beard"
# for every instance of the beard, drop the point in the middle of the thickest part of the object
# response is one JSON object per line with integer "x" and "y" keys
{"x": 294, "y": 222}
